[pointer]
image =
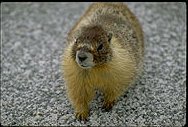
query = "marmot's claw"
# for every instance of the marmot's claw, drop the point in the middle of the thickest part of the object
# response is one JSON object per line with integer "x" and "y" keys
{"x": 107, "y": 106}
{"x": 82, "y": 116}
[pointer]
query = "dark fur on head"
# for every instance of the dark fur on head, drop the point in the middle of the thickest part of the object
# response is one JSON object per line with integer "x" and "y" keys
{"x": 95, "y": 40}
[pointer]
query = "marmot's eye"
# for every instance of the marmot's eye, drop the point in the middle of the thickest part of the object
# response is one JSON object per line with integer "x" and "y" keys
{"x": 100, "y": 47}
{"x": 76, "y": 41}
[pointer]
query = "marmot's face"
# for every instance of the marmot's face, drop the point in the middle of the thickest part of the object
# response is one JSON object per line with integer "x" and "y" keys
{"x": 92, "y": 47}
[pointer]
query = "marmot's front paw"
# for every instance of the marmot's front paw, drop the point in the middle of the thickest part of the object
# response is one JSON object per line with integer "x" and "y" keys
{"x": 82, "y": 115}
{"x": 107, "y": 106}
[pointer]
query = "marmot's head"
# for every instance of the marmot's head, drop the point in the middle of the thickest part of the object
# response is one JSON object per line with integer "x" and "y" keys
{"x": 92, "y": 47}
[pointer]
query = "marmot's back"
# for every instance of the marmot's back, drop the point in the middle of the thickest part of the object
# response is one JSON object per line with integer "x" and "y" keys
{"x": 118, "y": 19}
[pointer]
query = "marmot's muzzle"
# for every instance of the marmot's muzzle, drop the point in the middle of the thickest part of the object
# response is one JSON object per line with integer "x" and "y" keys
{"x": 84, "y": 59}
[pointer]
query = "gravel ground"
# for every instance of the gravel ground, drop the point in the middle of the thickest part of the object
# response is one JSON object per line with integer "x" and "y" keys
{"x": 32, "y": 87}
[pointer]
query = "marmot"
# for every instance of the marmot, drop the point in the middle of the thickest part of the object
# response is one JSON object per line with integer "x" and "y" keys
{"x": 105, "y": 51}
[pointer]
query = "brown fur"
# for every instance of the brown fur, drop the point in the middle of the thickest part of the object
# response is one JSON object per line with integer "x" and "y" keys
{"x": 117, "y": 65}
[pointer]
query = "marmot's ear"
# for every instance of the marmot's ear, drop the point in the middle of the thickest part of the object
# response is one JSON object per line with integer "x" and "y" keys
{"x": 109, "y": 36}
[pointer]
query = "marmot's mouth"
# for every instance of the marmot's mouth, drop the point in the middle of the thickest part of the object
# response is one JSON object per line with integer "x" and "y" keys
{"x": 84, "y": 66}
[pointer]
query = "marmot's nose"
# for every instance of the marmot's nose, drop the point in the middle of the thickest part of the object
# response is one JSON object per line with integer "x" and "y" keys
{"x": 82, "y": 58}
